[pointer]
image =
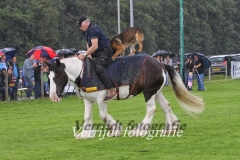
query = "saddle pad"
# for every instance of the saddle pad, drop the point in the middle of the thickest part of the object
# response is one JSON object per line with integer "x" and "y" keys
{"x": 123, "y": 71}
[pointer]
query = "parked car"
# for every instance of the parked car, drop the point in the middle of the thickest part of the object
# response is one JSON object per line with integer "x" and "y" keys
{"x": 236, "y": 57}
{"x": 219, "y": 63}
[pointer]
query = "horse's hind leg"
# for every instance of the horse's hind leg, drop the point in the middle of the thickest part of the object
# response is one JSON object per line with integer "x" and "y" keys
{"x": 171, "y": 120}
{"x": 142, "y": 128}
{"x": 111, "y": 124}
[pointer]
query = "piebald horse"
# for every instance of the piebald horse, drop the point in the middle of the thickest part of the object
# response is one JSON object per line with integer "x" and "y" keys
{"x": 151, "y": 83}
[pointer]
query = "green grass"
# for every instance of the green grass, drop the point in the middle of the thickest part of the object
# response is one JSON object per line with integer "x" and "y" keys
{"x": 40, "y": 129}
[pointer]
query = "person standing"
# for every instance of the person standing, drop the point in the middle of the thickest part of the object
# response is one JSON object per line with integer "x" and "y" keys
{"x": 45, "y": 69}
{"x": 199, "y": 68}
{"x": 28, "y": 68}
{"x": 176, "y": 61}
{"x": 37, "y": 79}
{"x": 99, "y": 48}
{"x": 167, "y": 61}
{"x": 159, "y": 58}
{"x": 3, "y": 62}
{"x": 45, "y": 81}
{"x": 16, "y": 73}
{"x": 188, "y": 69}
{"x": 41, "y": 65}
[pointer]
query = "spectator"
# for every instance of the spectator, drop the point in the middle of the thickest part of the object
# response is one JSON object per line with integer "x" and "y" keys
{"x": 188, "y": 68}
{"x": 198, "y": 66}
{"x": 3, "y": 63}
{"x": 2, "y": 84}
{"x": 176, "y": 60}
{"x": 28, "y": 67}
{"x": 45, "y": 75}
{"x": 45, "y": 81}
{"x": 37, "y": 78}
{"x": 11, "y": 82}
{"x": 60, "y": 57}
{"x": 16, "y": 73}
{"x": 167, "y": 61}
{"x": 37, "y": 75}
{"x": 160, "y": 58}
{"x": 53, "y": 60}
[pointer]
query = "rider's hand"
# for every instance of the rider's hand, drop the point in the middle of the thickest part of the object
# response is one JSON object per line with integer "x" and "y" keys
{"x": 81, "y": 56}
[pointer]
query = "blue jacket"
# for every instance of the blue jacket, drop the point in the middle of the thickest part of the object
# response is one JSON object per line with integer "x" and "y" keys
{"x": 18, "y": 70}
{"x": 3, "y": 65}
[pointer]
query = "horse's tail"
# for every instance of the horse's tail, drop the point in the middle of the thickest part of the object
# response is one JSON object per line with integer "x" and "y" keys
{"x": 189, "y": 102}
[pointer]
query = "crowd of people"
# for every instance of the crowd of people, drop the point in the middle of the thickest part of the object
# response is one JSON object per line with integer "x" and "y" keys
{"x": 193, "y": 66}
{"x": 10, "y": 71}
{"x": 30, "y": 76}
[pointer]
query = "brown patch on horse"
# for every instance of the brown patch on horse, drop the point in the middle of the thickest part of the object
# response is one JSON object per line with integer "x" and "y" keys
{"x": 151, "y": 78}
{"x": 128, "y": 38}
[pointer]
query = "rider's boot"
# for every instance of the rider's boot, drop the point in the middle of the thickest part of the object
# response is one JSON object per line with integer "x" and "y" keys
{"x": 111, "y": 94}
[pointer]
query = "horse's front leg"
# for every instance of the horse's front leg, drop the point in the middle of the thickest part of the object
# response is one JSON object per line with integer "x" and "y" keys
{"x": 113, "y": 127}
{"x": 142, "y": 128}
{"x": 87, "y": 128}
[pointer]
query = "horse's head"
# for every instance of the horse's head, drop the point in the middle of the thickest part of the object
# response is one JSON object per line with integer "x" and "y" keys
{"x": 58, "y": 80}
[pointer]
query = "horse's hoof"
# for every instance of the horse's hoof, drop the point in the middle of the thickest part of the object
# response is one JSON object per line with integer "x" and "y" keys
{"x": 85, "y": 135}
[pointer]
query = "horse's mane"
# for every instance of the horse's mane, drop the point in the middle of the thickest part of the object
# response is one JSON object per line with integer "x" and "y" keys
{"x": 73, "y": 67}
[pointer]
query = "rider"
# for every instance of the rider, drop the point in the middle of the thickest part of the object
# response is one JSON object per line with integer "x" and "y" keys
{"x": 99, "y": 48}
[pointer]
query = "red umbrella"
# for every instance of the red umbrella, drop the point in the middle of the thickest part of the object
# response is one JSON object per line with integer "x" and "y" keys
{"x": 1, "y": 54}
{"x": 42, "y": 51}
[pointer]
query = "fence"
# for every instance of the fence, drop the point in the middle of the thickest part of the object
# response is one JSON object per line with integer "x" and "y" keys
{"x": 214, "y": 70}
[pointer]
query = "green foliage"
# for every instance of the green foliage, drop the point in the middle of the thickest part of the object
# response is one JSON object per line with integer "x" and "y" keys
{"x": 211, "y": 27}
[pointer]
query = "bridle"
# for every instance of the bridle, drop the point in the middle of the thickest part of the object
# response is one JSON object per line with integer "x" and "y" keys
{"x": 60, "y": 87}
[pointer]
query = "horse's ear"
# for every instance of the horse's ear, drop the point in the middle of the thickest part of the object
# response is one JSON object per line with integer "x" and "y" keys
{"x": 58, "y": 63}
{"x": 48, "y": 64}
{"x": 62, "y": 66}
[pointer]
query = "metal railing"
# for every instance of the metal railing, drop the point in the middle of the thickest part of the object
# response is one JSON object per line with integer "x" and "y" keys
{"x": 210, "y": 72}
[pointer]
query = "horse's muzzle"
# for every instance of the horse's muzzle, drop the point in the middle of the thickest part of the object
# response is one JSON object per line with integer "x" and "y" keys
{"x": 54, "y": 97}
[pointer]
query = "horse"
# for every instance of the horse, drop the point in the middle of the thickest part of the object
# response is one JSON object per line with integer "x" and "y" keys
{"x": 150, "y": 82}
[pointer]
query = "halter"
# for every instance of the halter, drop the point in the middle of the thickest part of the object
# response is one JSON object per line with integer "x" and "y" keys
{"x": 62, "y": 84}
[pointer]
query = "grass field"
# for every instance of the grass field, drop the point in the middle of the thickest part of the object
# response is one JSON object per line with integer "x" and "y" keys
{"x": 40, "y": 129}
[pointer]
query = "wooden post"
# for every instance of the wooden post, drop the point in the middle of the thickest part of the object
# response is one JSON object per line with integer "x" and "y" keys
{"x": 209, "y": 74}
{"x": 42, "y": 86}
{"x": 6, "y": 85}
{"x": 226, "y": 70}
